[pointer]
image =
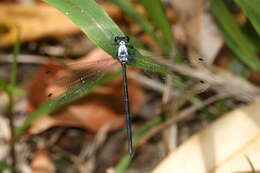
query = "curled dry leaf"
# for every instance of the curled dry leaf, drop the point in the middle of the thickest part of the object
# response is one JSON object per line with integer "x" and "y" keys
{"x": 32, "y": 22}
{"x": 42, "y": 163}
{"x": 101, "y": 106}
{"x": 221, "y": 147}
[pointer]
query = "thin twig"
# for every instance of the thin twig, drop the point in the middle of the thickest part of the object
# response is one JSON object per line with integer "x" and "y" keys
{"x": 219, "y": 80}
{"x": 99, "y": 140}
{"x": 76, "y": 160}
{"x": 24, "y": 58}
{"x": 147, "y": 82}
{"x": 180, "y": 116}
{"x": 10, "y": 116}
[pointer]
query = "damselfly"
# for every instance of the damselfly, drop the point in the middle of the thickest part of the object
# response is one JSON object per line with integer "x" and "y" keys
{"x": 105, "y": 65}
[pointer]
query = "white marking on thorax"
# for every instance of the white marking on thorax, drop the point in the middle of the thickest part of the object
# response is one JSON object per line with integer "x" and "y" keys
{"x": 122, "y": 52}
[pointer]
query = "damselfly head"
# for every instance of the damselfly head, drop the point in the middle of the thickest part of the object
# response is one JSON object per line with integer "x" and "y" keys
{"x": 125, "y": 39}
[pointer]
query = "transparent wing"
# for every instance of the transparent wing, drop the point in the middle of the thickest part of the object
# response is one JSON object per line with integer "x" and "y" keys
{"x": 66, "y": 76}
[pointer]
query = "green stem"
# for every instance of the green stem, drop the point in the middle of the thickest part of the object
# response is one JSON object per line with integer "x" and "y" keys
{"x": 10, "y": 117}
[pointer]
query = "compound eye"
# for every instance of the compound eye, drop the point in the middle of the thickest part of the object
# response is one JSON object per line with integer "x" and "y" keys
{"x": 127, "y": 39}
{"x": 116, "y": 39}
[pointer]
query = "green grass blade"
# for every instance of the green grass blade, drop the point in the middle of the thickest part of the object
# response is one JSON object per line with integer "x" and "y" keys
{"x": 92, "y": 20}
{"x": 3, "y": 85}
{"x": 122, "y": 166}
{"x": 16, "y": 51}
{"x": 251, "y": 9}
{"x": 156, "y": 13}
{"x": 9, "y": 88}
{"x": 146, "y": 128}
{"x": 3, "y": 166}
{"x": 15, "y": 90}
{"x": 252, "y": 35}
{"x": 251, "y": 164}
{"x": 233, "y": 36}
{"x": 71, "y": 95}
{"x": 239, "y": 68}
{"x": 129, "y": 10}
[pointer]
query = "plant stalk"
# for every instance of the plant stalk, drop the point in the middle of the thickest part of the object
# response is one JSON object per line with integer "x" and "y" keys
{"x": 10, "y": 117}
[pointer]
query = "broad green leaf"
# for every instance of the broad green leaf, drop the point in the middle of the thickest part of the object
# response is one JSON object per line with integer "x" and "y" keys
{"x": 156, "y": 13}
{"x": 129, "y": 10}
{"x": 251, "y": 9}
{"x": 233, "y": 36}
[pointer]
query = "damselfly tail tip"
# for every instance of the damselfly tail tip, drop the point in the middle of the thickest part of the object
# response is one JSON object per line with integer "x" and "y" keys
{"x": 50, "y": 94}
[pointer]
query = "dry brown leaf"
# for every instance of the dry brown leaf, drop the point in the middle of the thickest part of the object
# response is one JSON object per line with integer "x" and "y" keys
{"x": 220, "y": 148}
{"x": 42, "y": 163}
{"x": 33, "y": 22}
{"x": 201, "y": 32}
{"x": 103, "y": 105}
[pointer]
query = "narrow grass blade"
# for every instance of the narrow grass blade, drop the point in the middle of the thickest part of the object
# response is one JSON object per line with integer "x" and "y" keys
{"x": 3, "y": 166}
{"x": 16, "y": 51}
{"x": 233, "y": 36}
{"x": 129, "y": 10}
{"x": 73, "y": 94}
{"x": 122, "y": 166}
{"x": 10, "y": 89}
{"x": 156, "y": 13}
{"x": 239, "y": 68}
{"x": 251, "y": 9}
{"x": 3, "y": 85}
{"x": 251, "y": 164}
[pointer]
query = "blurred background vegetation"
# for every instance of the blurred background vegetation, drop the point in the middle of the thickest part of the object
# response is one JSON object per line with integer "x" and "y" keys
{"x": 195, "y": 61}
